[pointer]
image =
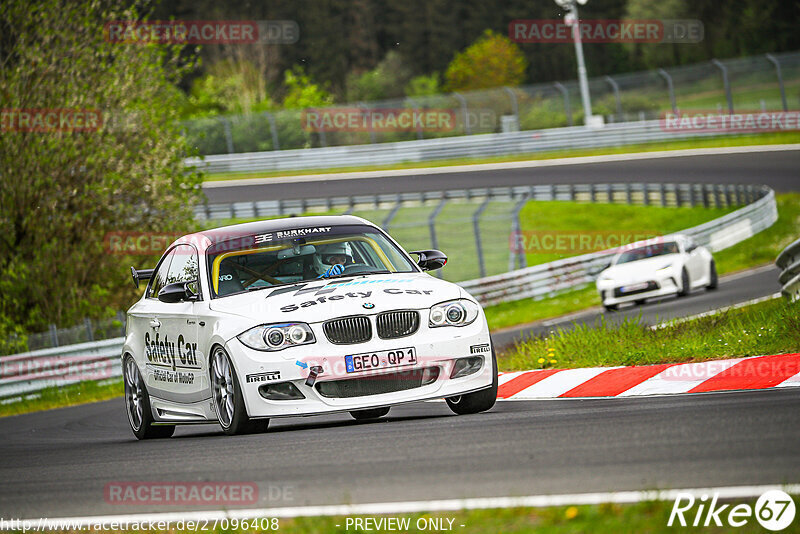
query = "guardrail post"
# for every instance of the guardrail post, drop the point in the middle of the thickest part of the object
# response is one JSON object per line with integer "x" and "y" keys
{"x": 226, "y": 125}
{"x": 476, "y": 227}
{"x": 615, "y": 87}
{"x": 717, "y": 200}
{"x": 610, "y": 193}
{"x": 676, "y": 190}
{"x": 273, "y": 128}
{"x": 645, "y": 195}
{"x": 772, "y": 59}
{"x": 592, "y": 194}
{"x": 516, "y": 229}
{"x": 565, "y": 94}
{"x": 572, "y": 193}
{"x": 53, "y": 334}
{"x": 465, "y": 111}
{"x": 717, "y": 63}
{"x": 628, "y": 195}
{"x": 664, "y": 74}
{"x": 663, "y": 191}
{"x": 365, "y": 111}
{"x": 432, "y": 227}
{"x": 706, "y": 200}
{"x": 514, "y": 104}
{"x": 87, "y": 322}
{"x": 691, "y": 195}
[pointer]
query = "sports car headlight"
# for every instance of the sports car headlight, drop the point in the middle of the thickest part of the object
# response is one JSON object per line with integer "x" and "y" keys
{"x": 459, "y": 312}
{"x": 277, "y": 336}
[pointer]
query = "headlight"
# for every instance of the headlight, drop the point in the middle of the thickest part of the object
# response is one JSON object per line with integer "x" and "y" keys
{"x": 277, "y": 336}
{"x": 459, "y": 312}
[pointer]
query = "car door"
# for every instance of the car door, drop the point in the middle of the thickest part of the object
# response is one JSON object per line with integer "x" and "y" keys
{"x": 695, "y": 264}
{"x": 175, "y": 368}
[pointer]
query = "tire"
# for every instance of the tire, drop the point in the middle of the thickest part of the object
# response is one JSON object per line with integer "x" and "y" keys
{"x": 611, "y": 307}
{"x": 226, "y": 394}
{"x": 713, "y": 282}
{"x": 686, "y": 284}
{"x": 372, "y": 413}
{"x": 479, "y": 401}
{"x": 137, "y": 405}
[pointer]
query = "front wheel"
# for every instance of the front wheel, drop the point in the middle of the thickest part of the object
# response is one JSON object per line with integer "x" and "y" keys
{"x": 373, "y": 413}
{"x": 686, "y": 284}
{"x": 228, "y": 399}
{"x": 137, "y": 404}
{"x": 713, "y": 278}
{"x": 479, "y": 401}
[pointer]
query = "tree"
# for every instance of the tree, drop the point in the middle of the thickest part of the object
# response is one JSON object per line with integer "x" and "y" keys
{"x": 491, "y": 61}
{"x": 65, "y": 188}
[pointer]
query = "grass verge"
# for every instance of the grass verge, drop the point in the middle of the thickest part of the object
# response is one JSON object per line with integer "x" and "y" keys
{"x": 708, "y": 142}
{"x": 771, "y": 327}
{"x": 59, "y": 397}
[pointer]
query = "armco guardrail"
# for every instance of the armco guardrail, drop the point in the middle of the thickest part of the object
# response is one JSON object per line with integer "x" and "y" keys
{"x": 550, "y": 278}
{"x": 31, "y": 371}
{"x": 789, "y": 262}
{"x": 468, "y": 146}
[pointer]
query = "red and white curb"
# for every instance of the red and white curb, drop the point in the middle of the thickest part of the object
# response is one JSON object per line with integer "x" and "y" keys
{"x": 758, "y": 372}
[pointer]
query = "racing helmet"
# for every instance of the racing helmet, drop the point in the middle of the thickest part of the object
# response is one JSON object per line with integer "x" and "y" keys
{"x": 325, "y": 253}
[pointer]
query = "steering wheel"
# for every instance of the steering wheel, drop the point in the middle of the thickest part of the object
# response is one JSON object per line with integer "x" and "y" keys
{"x": 354, "y": 268}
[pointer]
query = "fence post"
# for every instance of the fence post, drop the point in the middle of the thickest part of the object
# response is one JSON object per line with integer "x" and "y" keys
{"x": 53, "y": 334}
{"x": 514, "y": 104}
{"x": 772, "y": 59}
{"x": 610, "y": 81}
{"x": 664, "y": 74}
{"x": 567, "y": 108}
{"x": 87, "y": 322}
{"x": 516, "y": 228}
{"x": 273, "y": 127}
{"x": 388, "y": 220}
{"x": 226, "y": 125}
{"x": 467, "y": 129}
{"x": 476, "y": 226}
{"x": 717, "y": 63}
{"x": 432, "y": 227}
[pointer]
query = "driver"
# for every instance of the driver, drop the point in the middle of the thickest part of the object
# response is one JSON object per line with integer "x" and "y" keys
{"x": 331, "y": 259}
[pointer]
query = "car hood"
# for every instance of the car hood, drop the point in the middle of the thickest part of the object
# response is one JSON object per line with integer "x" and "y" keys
{"x": 637, "y": 269}
{"x": 320, "y": 300}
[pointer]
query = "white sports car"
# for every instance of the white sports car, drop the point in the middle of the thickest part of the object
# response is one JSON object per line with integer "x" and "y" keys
{"x": 672, "y": 265}
{"x": 294, "y": 317}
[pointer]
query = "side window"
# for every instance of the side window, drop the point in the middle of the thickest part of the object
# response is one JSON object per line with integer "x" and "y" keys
{"x": 184, "y": 267}
{"x": 160, "y": 277}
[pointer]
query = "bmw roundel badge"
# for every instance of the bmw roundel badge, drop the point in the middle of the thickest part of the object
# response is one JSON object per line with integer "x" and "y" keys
{"x": 368, "y": 305}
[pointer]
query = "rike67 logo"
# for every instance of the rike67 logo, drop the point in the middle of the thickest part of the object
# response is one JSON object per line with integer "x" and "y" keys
{"x": 774, "y": 510}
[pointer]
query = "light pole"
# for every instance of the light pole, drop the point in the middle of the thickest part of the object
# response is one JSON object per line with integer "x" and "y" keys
{"x": 571, "y": 19}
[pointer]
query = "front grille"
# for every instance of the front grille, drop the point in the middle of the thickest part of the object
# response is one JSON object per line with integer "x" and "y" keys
{"x": 651, "y": 286}
{"x": 397, "y": 324}
{"x": 377, "y": 385}
{"x": 348, "y": 330}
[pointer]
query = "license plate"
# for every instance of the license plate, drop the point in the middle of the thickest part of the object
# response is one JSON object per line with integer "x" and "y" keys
{"x": 634, "y": 287}
{"x": 383, "y": 359}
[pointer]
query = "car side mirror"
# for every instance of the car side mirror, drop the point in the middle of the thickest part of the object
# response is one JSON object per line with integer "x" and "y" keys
{"x": 597, "y": 269}
{"x": 176, "y": 292}
{"x": 691, "y": 247}
{"x": 430, "y": 260}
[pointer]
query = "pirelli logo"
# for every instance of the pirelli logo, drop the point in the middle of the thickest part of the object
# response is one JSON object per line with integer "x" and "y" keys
{"x": 477, "y": 349}
{"x": 264, "y": 377}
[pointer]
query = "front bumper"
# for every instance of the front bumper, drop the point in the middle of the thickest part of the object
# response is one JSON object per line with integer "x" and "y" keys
{"x": 436, "y": 348}
{"x": 613, "y": 292}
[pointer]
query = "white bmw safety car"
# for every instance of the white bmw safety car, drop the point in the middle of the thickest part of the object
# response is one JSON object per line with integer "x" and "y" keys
{"x": 299, "y": 316}
{"x": 672, "y": 265}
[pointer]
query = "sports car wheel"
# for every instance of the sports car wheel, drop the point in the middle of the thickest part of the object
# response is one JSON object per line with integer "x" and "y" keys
{"x": 374, "y": 413}
{"x": 137, "y": 404}
{"x": 611, "y": 307}
{"x": 228, "y": 400}
{"x": 480, "y": 401}
{"x": 713, "y": 282}
{"x": 686, "y": 284}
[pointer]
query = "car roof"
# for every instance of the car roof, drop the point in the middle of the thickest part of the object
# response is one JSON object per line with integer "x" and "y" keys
{"x": 224, "y": 233}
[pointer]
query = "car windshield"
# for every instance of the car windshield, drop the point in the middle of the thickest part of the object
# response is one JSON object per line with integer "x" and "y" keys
{"x": 301, "y": 254}
{"x": 648, "y": 251}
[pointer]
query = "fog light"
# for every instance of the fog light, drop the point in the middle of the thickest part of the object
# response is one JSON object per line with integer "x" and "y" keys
{"x": 280, "y": 391}
{"x": 466, "y": 366}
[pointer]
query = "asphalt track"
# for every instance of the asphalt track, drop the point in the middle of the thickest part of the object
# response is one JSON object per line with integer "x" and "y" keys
{"x": 777, "y": 169}
{"x": 733, "y": 289}
{"x": 57, "y": 463}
